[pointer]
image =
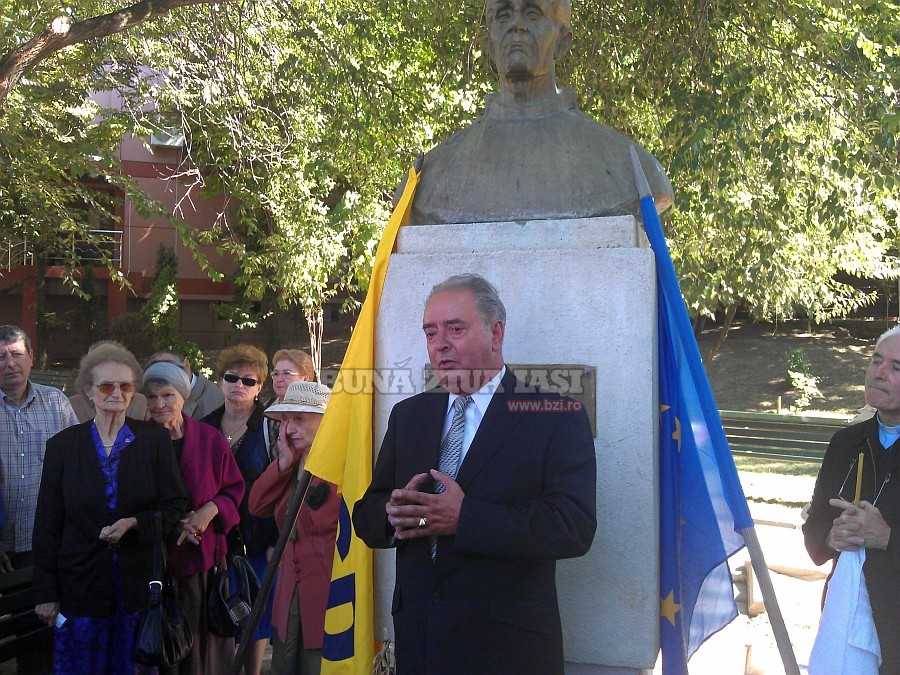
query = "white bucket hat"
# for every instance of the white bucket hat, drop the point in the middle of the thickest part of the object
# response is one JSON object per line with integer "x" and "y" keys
{"x": 310, "y": 397}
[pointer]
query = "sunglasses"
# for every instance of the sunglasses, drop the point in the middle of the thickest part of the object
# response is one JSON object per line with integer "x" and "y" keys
{"x": 248, "y": 381}
{"x": 106, "y": 388}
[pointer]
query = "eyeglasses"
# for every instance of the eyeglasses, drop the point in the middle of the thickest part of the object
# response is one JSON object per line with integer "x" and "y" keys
{"x": 248, "y": 381}
{"x": 283, "y": 373}
{"x": 106, "y": 388}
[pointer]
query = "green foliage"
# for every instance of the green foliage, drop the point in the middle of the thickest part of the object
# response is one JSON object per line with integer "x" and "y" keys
{"x": 807, "y": 387}
{"x": 797, "y": 360}
{"x": 90, "y": 309}
{"x": 768, "y": 118}
{"x": 162, "y": 312}
{"x": 777, "y": 123}
{"x": 305, "y": 116}
{"x": 60, "y": 174}
{"x": 132, "y": 331}
{"x": 799, "y": 370}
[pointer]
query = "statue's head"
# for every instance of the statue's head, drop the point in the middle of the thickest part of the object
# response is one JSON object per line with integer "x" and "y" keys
{"x": 526, "y": 37}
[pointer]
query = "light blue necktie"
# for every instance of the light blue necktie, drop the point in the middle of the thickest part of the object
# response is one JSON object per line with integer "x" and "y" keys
{"x": 451, "y": 450}
{"x": 451, "y": 447}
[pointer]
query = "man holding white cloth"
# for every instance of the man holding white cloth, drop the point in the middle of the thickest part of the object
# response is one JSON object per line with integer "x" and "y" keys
{"x": 862, "y": 462}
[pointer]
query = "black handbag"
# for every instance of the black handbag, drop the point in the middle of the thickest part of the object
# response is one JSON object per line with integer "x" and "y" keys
{"x": 163, "y": 635}
{"x": 228, "y": 608}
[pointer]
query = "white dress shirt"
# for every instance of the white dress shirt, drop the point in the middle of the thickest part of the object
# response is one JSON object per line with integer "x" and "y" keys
{"x": 481, "y": 399}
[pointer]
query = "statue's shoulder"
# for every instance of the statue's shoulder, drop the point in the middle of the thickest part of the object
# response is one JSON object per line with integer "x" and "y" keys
{"x": 539, "y": 162}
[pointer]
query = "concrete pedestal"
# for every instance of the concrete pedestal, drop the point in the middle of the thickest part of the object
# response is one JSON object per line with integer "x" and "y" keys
{"x": 576, "y": 292}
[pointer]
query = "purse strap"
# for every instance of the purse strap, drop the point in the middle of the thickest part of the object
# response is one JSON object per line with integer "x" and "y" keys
{"x": 156, "y": 581}
{"x": 235, "y": 543}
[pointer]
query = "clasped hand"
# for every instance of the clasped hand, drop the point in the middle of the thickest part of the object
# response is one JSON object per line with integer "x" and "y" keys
{"x": 113, "y": 533}
{"x": 858, "y": 527}
{"x": 194, "y": 524}
{"x": 408, "y": 506}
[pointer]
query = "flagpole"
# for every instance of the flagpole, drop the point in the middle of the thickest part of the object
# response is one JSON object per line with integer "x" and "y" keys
{"x": 751, "y": 540}
{"x": 776, "y": 620}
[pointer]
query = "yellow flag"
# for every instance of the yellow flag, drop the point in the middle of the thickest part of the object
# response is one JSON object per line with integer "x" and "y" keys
{"x": 342, "y": 454}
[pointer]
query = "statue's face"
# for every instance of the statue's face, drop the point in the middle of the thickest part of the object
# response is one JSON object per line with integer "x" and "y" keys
{"x": 524, "y": 38}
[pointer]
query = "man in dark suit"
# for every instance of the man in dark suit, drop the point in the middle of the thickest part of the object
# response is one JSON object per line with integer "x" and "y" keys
{"x": 477, "y": 541}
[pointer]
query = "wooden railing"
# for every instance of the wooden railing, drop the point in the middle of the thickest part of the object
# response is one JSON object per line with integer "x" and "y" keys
{"x": 61, "y": 379}
{"x": 785, "y": 437}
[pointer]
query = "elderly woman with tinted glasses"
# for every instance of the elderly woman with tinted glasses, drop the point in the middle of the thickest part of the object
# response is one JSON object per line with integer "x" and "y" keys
{"x": 102, "y": 481}
{"x": 241, "y": 371}
{"x": 215, "y": 488}
{"x": 83, "y": 405}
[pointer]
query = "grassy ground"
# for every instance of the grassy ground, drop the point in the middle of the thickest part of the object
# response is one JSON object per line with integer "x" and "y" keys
{"x": 790, "y": 468}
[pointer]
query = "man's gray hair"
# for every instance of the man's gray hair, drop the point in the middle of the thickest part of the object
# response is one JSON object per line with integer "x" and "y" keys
{"x": 888, "y": 333}
{"x": 487, "y": 299}
{"x": 10, "y": 334}
{"x": 165, "y": 355}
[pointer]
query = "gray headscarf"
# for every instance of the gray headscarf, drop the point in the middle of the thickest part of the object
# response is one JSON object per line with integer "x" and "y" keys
{"x": 170, "y": 373}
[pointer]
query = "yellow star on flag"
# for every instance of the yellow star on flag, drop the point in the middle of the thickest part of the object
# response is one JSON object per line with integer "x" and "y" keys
{"x": 676, "y": 435}
{"x": 668, "y": 607}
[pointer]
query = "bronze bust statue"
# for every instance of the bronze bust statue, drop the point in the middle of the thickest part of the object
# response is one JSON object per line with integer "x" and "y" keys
{"x": 533, "y": 154}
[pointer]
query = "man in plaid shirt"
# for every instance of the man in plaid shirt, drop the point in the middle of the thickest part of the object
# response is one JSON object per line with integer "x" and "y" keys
{"x": 29, "y": 414}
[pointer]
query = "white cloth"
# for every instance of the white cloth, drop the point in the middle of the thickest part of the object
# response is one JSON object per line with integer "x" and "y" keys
{"x": 846, "y": 643}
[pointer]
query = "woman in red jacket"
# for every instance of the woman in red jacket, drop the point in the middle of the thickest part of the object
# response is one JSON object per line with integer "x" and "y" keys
{"x": 215, "y": 488}
{"x": 301, "y": 594}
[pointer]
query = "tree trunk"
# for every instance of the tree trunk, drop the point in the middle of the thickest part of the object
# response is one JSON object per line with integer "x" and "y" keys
{"x": 315, "y": 321}
{"x": 269, "y": 324}
{"x": 730, "y": 311}
{"x": 64, "y": 32}
{"x": 699, "y": 324}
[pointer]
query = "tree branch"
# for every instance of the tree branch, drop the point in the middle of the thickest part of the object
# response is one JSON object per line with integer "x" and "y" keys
{"x": 63, "y": 32}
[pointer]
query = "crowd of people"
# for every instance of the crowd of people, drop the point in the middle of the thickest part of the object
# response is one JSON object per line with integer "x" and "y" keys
{"x": 84, "y": 477}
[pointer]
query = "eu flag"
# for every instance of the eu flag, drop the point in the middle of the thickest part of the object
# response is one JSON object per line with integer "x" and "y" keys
{"x": 702, "y": 505}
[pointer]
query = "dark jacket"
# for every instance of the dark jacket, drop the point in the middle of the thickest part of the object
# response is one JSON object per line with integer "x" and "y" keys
{"x": 488, "y": 603}
{"x": 71, "y": 564}
{"x": 882, "y": 568}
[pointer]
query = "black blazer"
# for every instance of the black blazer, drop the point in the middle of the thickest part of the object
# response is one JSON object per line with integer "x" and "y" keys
{"x": 71, "y": 563}
{"x": 488, "y": 603}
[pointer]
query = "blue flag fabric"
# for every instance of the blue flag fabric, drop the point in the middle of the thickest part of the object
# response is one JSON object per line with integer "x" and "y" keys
{"x": 702, "y": 504}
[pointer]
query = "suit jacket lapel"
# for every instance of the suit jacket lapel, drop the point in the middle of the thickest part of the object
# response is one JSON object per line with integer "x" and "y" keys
{"x": 495, "y": 426}
{"x": 427, "y": 455}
